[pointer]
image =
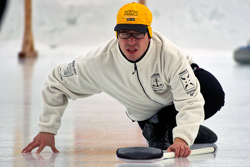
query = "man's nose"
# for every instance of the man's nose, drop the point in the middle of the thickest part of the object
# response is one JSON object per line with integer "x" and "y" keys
{"x": 131, "y": 40}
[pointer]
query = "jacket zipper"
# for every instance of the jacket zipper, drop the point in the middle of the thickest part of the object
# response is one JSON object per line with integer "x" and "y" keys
{"x": 136, "y": 71}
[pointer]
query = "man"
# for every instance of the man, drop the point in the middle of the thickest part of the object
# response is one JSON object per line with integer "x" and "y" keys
{"x": 154, "y": 80}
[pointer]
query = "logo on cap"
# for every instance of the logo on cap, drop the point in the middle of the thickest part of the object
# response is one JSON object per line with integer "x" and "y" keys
{"x": 131, "y": 13}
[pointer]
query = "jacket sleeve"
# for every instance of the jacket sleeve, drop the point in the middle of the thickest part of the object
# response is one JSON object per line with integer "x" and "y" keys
{"x": 67, "y": 81}
{"x": 187, "y": 99}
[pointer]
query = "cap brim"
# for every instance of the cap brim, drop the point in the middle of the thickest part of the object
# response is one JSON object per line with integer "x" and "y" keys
{"x": 134, "y": 27}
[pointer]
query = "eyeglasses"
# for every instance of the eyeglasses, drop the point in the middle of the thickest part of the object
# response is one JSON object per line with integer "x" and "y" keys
{"x": 125, "y": 35}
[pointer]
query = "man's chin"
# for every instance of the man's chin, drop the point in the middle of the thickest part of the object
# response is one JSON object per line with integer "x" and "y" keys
{"x": 131, "y": 58}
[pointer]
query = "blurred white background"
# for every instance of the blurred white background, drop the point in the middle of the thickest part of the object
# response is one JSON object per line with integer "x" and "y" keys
{"x": 78, "y": 24}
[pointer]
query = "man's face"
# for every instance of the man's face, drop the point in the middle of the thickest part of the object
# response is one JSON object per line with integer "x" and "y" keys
{"x": 133, "y": 48}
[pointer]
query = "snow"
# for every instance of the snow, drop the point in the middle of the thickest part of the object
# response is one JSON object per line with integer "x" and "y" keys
{"x": 83, "y": 24}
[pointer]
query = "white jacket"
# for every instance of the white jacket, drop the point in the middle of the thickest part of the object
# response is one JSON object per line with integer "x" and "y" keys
{"x": 162, "y": 77}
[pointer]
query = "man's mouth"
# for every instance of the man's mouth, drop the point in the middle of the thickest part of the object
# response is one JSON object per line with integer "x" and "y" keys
{"x": 131, "y": 50}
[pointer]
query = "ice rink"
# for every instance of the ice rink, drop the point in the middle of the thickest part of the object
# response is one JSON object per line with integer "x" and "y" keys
{"x": 93, "y": 128}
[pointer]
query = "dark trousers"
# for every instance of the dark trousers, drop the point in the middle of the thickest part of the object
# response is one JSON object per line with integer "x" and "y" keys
{"x": 211, "y": 90}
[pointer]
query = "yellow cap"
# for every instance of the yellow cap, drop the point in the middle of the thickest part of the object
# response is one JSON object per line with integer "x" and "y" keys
{"x": 134, "y": 16}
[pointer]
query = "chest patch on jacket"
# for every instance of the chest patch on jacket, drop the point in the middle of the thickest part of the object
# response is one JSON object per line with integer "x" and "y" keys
{"x": 187, "y": 83}
{"x": 157, "y": 83}
{"x": 68, "y": 71}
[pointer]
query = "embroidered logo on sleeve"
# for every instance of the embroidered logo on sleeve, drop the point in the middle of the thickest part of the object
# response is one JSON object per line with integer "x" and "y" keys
{"x": 187, "y": 83}
{"x": 69, "y": 71}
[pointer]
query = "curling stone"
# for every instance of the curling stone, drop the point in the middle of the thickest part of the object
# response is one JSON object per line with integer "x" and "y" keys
{"x": 242, "y": 54}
